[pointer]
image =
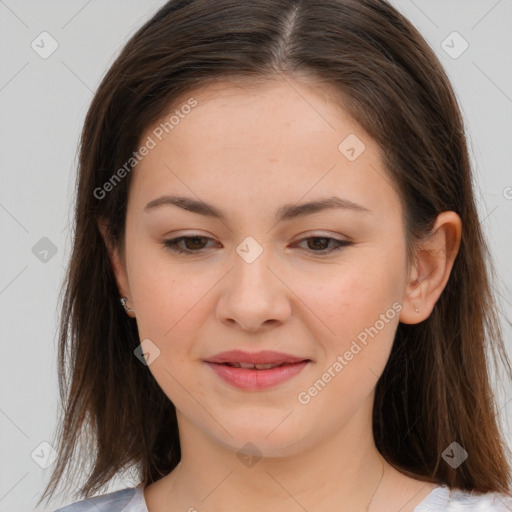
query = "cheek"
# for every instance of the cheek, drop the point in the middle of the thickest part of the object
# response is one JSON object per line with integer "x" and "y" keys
{"x": 166, "y": 295}
{"x": 356, "y": 324}
{"x": 355, "y": 315}
{"x": 168, "y": 310}
{"x": 352, "y": 297}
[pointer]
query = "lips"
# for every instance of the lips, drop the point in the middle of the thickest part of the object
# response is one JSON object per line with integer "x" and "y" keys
{"x": 239, "y": 358}
{"x": 256, "y": 366}
{"x": 256, "y": 371}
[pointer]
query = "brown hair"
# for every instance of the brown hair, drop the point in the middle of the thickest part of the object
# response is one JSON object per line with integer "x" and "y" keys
{"x": 435, "y": 388}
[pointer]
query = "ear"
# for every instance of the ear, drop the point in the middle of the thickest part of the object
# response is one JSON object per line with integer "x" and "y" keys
{"x": 117, "y": 262}
{"x": 433, "y": 262}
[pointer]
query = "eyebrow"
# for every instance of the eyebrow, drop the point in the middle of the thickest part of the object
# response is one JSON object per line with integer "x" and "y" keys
{"x": 284, "y": 213}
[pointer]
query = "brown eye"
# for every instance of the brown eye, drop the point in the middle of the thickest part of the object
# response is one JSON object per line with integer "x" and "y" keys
{"x": 320, "y": 244}
{"x": 192, "y": 244}
{"x": 196, "y": 244}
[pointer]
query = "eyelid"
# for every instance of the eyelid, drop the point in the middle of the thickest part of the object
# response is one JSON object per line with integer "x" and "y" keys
{"x": 320, "y": 234}
{"x": 338, "y": 244}
{"x": 300, "y": 237}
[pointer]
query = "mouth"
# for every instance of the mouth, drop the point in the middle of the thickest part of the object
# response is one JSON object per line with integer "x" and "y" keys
{"x": 257, "y": 371}
{"x": 259, "y": 366}
{"x": 259, "y": 360}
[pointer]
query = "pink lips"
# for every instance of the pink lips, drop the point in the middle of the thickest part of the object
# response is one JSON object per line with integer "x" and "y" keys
{"x": 284, "y": 367}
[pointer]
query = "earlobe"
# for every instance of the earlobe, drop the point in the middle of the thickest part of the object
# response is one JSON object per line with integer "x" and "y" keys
{"x": 115, "y": 260}
{"x": 433, "y": 263}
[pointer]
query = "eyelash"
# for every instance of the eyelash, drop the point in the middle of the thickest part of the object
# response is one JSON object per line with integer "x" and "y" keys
{"x": 173, "y": 244}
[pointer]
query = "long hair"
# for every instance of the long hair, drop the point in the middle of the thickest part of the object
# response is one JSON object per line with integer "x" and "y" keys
{"x": 435, "y": 388}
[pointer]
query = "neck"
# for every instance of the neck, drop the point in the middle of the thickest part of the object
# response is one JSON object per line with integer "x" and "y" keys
{"x": 345, "y": 468}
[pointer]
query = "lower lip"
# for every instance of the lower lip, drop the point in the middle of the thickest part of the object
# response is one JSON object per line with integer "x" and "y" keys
{"x": 256, "y": 380}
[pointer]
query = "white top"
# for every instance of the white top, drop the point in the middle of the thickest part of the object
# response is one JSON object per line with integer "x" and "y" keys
{"x": 440, "y": 499}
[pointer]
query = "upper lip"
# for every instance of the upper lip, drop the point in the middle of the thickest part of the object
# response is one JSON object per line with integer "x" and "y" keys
{"x": 262, "y": 357}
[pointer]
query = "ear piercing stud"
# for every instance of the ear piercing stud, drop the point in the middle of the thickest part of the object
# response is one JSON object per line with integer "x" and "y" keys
{"x": 123, "y": 303}
{"x": 416, "y": 308}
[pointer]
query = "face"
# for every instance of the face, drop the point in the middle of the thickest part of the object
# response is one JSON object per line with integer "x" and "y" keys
{"x": 324, "y": 285}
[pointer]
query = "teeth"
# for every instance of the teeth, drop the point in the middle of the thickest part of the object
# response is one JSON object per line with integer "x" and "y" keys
{"x": 265, "y": 366}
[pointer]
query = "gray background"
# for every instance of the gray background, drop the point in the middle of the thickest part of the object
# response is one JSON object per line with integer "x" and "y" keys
{"x": 43, "y": 102}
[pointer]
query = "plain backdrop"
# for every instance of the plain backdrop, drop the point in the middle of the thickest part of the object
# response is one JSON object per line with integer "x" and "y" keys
{"x": 43, "y": 101}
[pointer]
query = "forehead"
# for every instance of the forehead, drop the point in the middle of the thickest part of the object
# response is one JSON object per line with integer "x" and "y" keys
{"x": 259, "y": 142}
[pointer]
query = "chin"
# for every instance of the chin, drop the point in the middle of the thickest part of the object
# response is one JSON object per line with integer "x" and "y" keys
{"x": 263, "y": 439}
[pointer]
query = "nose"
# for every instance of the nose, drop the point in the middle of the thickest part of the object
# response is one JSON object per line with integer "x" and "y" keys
{"x": 254, "y": 296}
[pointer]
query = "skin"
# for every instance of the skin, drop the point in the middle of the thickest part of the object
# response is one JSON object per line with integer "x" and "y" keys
{"x": 248, "y": 152}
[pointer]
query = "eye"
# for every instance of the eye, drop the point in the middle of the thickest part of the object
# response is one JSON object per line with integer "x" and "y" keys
{"x": 320, "y": 244}
{"x": 195, "y": 244}
{"x": 193, "y": 241}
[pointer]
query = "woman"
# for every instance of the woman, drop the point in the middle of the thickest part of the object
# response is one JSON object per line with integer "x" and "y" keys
{"x": 278, "y": 295}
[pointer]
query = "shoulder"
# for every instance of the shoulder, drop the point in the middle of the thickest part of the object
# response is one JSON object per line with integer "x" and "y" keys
{"x": 130, "y": 499}
{"x": 444, "y": 499}
{"x": 472, "y": 501}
